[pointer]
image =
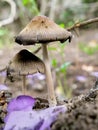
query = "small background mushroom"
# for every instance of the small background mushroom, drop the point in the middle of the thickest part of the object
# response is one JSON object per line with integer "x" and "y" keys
{"x": 25, "y": 63}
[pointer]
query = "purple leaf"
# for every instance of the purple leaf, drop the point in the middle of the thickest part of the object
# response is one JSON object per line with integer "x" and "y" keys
{"x": 30, "y": 76}
{"x": 81, "y": 78}
{"x": 41, "y": 76}
{"x": 3, "y": 87}
{"x": 3, "y": 73}
{"x": 95, "y": 74}
{"x": 38, "y": 126}
{"x": 52, "y": 114}
{"x": 37, "y": 76}
{"x": 1, "y": 128}
{"x": 21, "y": 120}
{"x": 22, "y": 102}
{"x": 33, "y": 120}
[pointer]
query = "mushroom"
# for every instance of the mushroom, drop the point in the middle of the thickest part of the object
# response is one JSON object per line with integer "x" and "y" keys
{"x": 25, "y": 63}
{"x": 43, "y": 30}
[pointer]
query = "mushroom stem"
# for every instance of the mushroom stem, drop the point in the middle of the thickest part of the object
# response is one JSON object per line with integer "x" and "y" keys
{"x": 49, "y": 79}
{"x": 24, "y": 84}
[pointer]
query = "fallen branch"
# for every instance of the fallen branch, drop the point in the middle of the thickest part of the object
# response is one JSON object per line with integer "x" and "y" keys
{"x": 12, "y": 15}
{"x": 37, "y": 50}
{"x": 81, "y": 24}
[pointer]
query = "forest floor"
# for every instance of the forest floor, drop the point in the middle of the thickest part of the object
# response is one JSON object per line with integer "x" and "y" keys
{"x": 81, "y": 76}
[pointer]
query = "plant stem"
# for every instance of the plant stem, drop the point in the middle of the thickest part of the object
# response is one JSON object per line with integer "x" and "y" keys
{"x": 49, "y": 79}
{"x": 24, "y": 85}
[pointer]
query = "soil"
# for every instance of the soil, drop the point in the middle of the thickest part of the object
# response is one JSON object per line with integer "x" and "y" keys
{"x": 82, "y": 111}
{"x": 81, "y": 114}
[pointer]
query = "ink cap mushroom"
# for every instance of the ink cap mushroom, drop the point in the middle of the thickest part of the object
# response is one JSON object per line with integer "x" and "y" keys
{"x": 43, "y": 30}
{"x": 25, "y": 63}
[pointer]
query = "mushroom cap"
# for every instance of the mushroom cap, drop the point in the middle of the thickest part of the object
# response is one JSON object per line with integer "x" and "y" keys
{"x": 41, "y": 29}
{"x": 24, "y": 63}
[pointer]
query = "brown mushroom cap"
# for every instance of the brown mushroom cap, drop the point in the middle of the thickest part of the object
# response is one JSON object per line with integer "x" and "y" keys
{"x": 41, "y": 29}
{"x": 24, "y": 62}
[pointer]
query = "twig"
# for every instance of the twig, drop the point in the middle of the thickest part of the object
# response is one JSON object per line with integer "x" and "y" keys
{"x": 37, "y": 50}
{"x": 12, "y": 15}
{"x": 81, "y": 24}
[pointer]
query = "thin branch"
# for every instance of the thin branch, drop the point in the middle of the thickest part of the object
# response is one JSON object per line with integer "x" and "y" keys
{"x": 37, "y": 50}
{"x": 12, "y": 15}
{"x": 84, "y": 23}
